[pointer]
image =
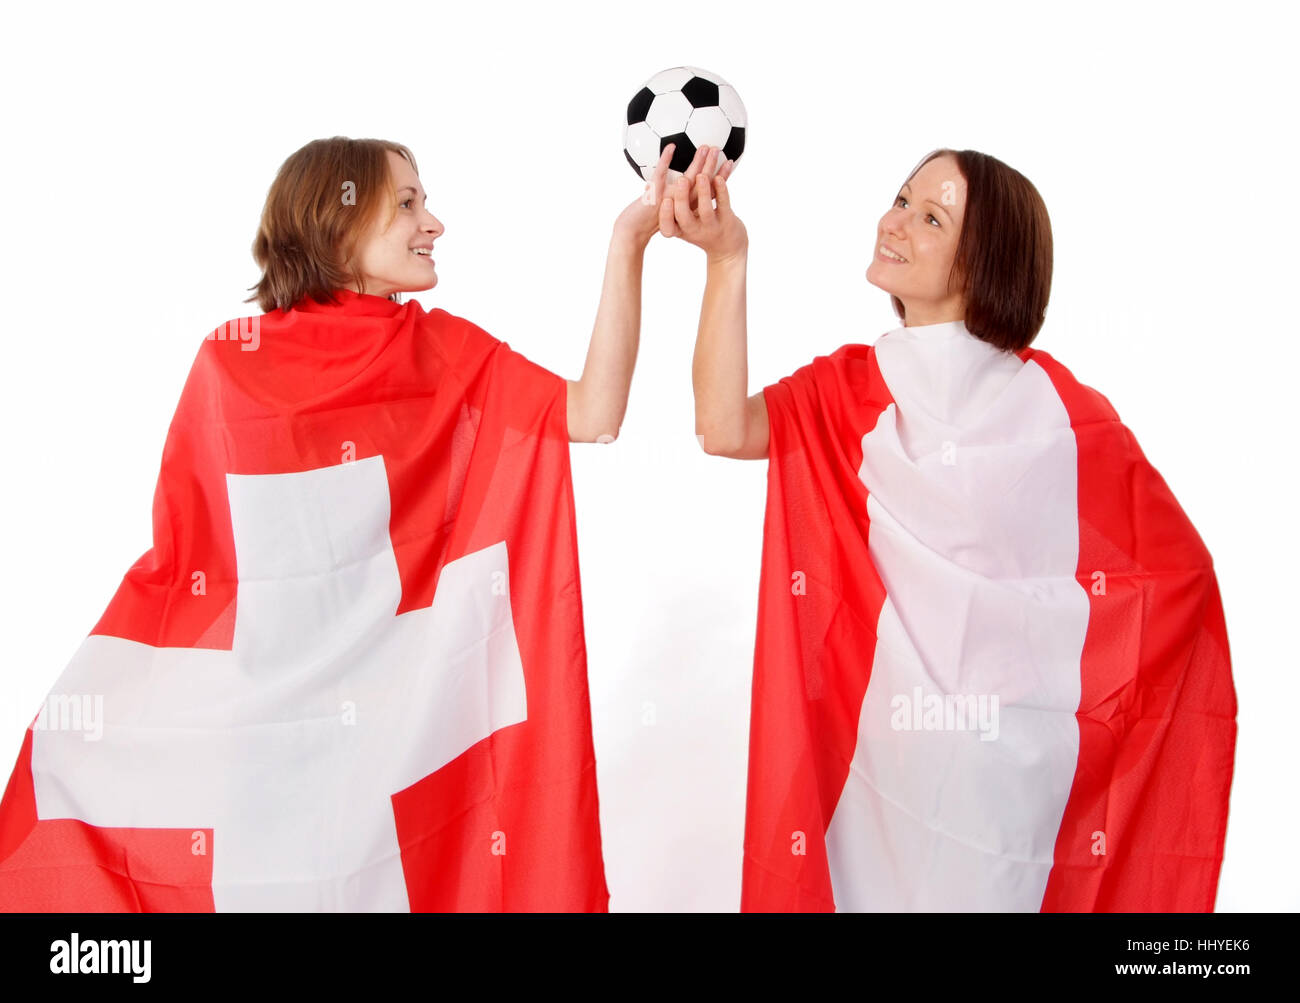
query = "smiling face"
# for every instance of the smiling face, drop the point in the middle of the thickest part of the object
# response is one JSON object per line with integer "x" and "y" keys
{"x": 394, "y": 256}
{"x": 922, "y": 227}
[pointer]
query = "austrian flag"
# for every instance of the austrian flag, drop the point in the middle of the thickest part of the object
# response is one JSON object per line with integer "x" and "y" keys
{"x": 350, "y": 673}
{"x": 991, "y": 670}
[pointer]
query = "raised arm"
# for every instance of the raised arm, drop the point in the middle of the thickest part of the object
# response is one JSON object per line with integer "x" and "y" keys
{"x": 598, "y": 400}
{"x": 727, "y": 423}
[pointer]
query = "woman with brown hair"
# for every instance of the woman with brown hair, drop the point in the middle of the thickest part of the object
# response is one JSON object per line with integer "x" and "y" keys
{"x": 991, "y": 670}
{"x": 350, "y": 673}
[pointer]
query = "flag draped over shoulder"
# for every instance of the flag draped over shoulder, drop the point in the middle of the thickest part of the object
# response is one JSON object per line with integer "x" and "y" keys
{"x": 350, "y": 674}
{"x": 991, "y": 671}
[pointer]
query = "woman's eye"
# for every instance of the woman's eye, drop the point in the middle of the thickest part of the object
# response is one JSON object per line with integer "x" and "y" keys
{"x": 900, "y": 198}
{"x": 406, "y": 203}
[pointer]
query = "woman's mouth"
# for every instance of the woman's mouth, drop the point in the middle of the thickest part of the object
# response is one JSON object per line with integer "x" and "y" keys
{"x": 885, "y": 254}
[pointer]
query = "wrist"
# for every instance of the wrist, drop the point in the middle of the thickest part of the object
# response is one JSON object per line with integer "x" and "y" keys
{"x": 627, "y": 239}
{"x": 731, "y": 260}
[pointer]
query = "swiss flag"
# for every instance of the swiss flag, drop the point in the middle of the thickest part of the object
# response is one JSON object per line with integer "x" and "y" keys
{"x": 350, "y": 674}
{"x": 991, "y": 670}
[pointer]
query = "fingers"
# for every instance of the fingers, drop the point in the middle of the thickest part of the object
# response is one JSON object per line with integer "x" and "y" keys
{"x": 724, "y": 194}
{"x": 682, "y": 214}
{"x": 687, "y": 209}
{"x": 707, "y": 159}
{"x": 697, "y": 162}
{"x": 689, "y": 174}
{"x": 665, "y": 158}
{"x": 704, "y": 195}
{"x": 654, "y": 189}
{"x": 702, "y": 165}
{"x": 667, "y": 221}
{"x": 711, "y": 161}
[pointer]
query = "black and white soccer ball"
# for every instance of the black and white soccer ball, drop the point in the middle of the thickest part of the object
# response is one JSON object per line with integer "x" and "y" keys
{"x": 687, "y": 106}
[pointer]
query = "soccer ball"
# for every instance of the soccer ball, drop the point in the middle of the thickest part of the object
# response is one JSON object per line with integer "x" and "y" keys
{"x": 687, "y": 106}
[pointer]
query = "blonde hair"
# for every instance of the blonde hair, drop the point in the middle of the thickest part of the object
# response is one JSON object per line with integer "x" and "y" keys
{"x": 322, "y": 201}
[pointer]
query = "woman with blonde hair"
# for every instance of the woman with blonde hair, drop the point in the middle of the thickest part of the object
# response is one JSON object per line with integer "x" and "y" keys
{"x": 350, "y": 674}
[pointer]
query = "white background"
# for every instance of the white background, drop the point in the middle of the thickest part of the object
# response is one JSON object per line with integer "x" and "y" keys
{"x": 140, "y": 143}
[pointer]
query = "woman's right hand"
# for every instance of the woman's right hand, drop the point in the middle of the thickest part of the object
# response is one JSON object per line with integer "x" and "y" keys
{"x": 719, "y": 232}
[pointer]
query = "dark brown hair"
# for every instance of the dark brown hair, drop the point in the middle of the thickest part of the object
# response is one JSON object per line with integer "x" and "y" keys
{"x": 322, "y": 201}
{"x": 1004, "y": 254}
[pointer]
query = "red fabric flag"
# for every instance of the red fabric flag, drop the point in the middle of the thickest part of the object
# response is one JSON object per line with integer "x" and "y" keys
{"x": 350, "y": 674}
{"x": 991, "y": 671}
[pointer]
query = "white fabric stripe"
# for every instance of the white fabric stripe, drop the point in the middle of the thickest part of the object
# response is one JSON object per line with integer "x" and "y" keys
{"x": 974, "y": 529}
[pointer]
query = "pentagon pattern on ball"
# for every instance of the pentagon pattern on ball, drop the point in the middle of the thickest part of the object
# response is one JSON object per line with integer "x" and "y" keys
{"x": 684, "y": 150}
{"x": 687, "y": 106}
{"x": 701, "y": 93}
{"x": 639, "y": 106}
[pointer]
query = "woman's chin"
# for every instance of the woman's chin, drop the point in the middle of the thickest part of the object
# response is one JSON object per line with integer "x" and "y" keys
{"x": 419, "y": 285}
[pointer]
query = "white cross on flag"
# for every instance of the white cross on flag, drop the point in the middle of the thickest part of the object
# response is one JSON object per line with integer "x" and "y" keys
{"x": 350, "y": 674}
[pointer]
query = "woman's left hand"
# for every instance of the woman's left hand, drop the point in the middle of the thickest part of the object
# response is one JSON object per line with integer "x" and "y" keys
{"x": 640, "y": 221}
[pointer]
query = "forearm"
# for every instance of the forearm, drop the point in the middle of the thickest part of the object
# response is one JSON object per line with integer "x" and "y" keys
{"x": 720, "y": 372}
{"x": 611, "y": 356}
